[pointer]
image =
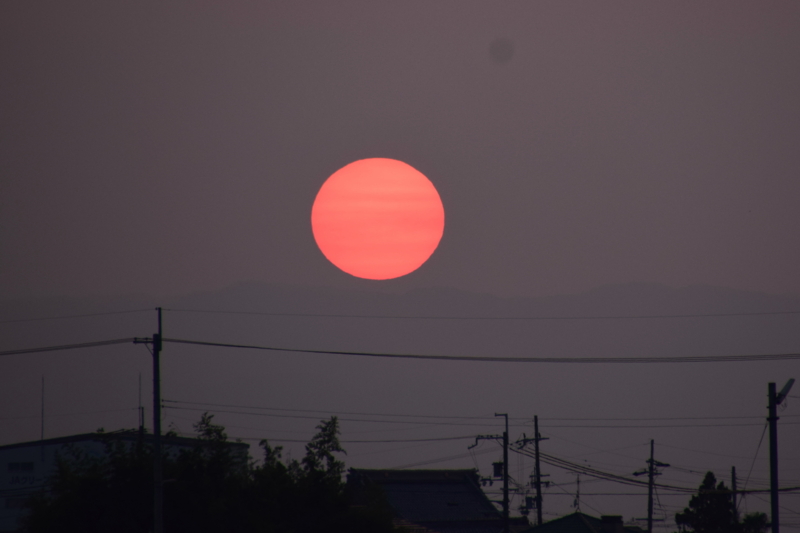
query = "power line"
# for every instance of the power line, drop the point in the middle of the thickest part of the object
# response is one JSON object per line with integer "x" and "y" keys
{"x": 451, "y": 317}
{"x": 681, "y": 494}
{"x": 332, "y": 412}
{"x": 755, "y": 456}
{"x": 647, "y": 426}
{"x": 67, "y": 346}
{"x": 650, "y": 419}
{"x": 277, "y": 415}
{"x": 593, "y": 472}
{"x": 443, "y": 459}
{"x": 439, "y": 423}
{"x": 445, "y": 417}
{"x": 493, "y": 359}
{"x": 61, "y": 317}
{"x": 392, "y": 441}
{"x": 703, "y": 452}
{"x": 490, "y": 359}
{"x": 79, "y": 413}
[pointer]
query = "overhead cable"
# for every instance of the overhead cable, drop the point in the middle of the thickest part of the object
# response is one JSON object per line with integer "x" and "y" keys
{"x": 496, "y": 359}
{"x": 593, "y": 472}
{"x": 488, "y": 359}
{"x": 487, "y": 418}
{"x": 67, "y": 346}
{"x": 61, "y": 317}
{"x": 450, "y": 317}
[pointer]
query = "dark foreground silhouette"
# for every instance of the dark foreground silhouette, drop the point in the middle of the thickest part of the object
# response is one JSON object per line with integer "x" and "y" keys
{"x": 210, "y": 487}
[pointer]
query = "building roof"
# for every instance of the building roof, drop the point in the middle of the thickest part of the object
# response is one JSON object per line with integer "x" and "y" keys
{"x": 578, "y": 522}
{"x": 445, "y": 501}
{"x": 127, "y": 435}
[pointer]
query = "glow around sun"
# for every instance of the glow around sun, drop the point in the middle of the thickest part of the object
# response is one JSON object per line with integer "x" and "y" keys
{"x": 377, "y": 218}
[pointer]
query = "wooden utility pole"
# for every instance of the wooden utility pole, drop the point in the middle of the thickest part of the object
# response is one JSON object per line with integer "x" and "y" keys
{"x": 651, "y": 473}
{"x": 504, "y": 439}
{"x": 537, "y": 480}
{"x": 506, "y": 504}
{"x": 158, "y": 484}
{"x": 774, "y": 401}
{"x": 733, "y": 495}
{"x": 651, "y": 468}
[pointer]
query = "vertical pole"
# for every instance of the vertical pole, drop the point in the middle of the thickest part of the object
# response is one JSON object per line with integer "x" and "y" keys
{"x": 538, "y": 478}
{"x": 141, "y": 412}
{"x": 505, "y": 479}
{"x": 650, "y": 490}
{"x": 41, "y": 446}
{"x": 773, "y": 457}
{"x": 158, "y": 485}
{"x": 42, "y": 429}
{"x": 505, "y": 475}
{"x": 733, "y": 495}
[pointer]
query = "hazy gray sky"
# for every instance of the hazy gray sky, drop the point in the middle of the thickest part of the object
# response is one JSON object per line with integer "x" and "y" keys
{"x": 169, "y": 148}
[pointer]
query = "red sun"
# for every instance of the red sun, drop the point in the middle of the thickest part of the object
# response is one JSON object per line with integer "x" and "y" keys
{"x": 377, "y": 218}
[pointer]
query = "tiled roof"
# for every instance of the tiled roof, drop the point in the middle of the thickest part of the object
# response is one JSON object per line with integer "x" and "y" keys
{"x": 445, "y": 501}
{"x": 578, "y": 523}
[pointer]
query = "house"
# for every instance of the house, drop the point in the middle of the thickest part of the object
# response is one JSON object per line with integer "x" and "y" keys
{"x": 435, "y": 501}
{"x": 26, "y": 466}
{"x": 578, "y": 522}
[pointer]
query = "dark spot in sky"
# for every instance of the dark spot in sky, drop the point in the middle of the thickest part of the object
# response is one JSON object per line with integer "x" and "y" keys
{"x": 501, "y": 50}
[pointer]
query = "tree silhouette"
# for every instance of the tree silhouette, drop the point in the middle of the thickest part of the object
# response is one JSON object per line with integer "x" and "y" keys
{"x": 711, "y": 511}
{"x": 209, "y": 487}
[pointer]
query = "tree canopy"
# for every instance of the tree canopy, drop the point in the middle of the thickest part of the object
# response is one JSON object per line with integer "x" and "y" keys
{"x": 209, "y": 487}
{"x": 711, "y": 511}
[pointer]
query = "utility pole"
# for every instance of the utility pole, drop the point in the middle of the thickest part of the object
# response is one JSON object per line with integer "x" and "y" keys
{"x": 733, "y": 494}
{"x": 651, "y": 473}
{"x": 505, "y": 475}
{"x": 158, "y": 473}
{"x": 651, "y": 468}
{"x": 158, "y": 485}
{"x": 42, "y": 429}
{"x": 504, "y": 439}
{"x": 41, "y": 447}
{"x": 774, "y": 401}
{"x": 538, "y": 476}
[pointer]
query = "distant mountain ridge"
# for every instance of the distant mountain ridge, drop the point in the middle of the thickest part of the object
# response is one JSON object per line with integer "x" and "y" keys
{"x": 611, "y": 300}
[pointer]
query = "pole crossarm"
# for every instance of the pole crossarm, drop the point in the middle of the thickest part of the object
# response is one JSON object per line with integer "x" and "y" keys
{"x": 484, "y": 437}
